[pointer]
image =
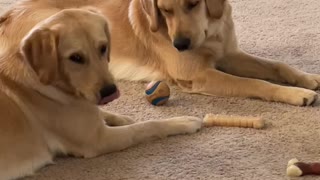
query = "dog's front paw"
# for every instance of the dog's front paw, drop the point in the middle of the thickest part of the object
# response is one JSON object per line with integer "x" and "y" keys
{"x": 298, "y": 96}
{"x": 309, "y": 81}
{"x": 184, "y": 125}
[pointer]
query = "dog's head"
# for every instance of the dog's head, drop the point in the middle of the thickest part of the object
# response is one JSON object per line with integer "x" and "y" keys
{"x": 70, "y": 51}
{"x": 187, "y": 21}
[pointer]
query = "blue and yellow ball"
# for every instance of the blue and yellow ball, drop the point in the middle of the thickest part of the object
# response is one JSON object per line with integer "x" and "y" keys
{"x": 157, "y": 93}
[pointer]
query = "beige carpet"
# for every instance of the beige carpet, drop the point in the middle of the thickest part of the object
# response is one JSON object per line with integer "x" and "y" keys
{"x": 288, "y": 30}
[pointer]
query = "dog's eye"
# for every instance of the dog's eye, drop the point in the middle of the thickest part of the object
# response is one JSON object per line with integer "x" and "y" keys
{"x": 192, "y": 5}
{"x": 167, "y": 11}
{"x": 103, "y": 49}
{"x": 77, "y": 58}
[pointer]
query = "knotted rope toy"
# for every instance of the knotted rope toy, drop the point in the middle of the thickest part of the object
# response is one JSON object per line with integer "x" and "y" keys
{"x": 295, "y": 168}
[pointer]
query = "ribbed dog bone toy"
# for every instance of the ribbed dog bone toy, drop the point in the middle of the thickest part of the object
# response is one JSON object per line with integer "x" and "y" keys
{"x": 233, "y": 121}
{"x": 296, "y": 168}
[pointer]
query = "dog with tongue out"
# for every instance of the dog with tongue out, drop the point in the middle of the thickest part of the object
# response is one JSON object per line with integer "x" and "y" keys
{"x": 54, "y": 79}
{"x": 108, "y": 94}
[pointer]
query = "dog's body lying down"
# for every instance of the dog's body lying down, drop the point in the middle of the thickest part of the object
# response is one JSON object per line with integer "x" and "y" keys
{"x": 52, "y": 78}
{"x": 190, "y": 43}
{"x": 193, "y": 44}
{"x": 181, "y": 41}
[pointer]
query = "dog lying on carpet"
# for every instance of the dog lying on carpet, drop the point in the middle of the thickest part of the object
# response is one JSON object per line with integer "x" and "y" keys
{"x": 193, "y": 44}
{"x": 53, "y": 75}
{"x": 190, "y": 43}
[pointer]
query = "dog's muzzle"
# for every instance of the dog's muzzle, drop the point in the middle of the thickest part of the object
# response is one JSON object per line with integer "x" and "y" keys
{"x": 182, "y": 44}
{"x": 108, "y": 94}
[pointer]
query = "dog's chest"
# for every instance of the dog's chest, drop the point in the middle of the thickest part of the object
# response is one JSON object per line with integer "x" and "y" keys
{"x": 62, "y": 124}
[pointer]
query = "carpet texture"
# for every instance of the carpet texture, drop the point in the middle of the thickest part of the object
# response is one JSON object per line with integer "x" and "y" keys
{"x": 287, "y": 30}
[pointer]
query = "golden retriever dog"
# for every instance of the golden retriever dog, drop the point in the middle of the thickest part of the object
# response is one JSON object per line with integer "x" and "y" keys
{"x": 192, "y": 43}
{"x": 53, "y": 77}
{"x": 189, "y": 43}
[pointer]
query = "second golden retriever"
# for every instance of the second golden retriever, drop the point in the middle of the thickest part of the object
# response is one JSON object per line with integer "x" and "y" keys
{"x": 53, "y": 75}
{"x": 193, "y": 44}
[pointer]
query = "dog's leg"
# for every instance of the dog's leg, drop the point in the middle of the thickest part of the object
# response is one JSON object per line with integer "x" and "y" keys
{"x": 115, "y": 119}
{"x": 110, "y": 139}
{"x": 246, "y": 65}
{"x": 214, "y": 82}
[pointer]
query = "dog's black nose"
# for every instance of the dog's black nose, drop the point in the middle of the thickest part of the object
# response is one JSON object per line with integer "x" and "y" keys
{"x": 182, "y": 43}
{"x": 108, "y": 90}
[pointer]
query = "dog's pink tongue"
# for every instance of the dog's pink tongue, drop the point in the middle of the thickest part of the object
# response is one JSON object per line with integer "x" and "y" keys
{"x": 110, "y": 98}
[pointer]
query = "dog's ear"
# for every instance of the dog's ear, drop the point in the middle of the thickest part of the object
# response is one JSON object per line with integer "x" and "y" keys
{"x": 215, "y": 8}
{"x": 39, "y": 48}
{"x": 150, "y": 7}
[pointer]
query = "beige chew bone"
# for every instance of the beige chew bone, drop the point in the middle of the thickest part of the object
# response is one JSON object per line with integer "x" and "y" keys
{"x": 233, "y": 121}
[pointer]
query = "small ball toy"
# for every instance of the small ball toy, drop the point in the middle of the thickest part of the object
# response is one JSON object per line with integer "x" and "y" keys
{"x": 157, "y": 93}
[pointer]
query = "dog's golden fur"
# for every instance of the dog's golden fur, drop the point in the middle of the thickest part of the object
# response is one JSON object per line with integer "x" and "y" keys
{"x": 143, "y": 38}
{"x": 144, "y": 35}
{"x": 53, "y": 68}
{"x": 190, "y": 43}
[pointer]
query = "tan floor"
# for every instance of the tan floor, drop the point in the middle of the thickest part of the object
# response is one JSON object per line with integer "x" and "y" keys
{"x": 288, "y": 30}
